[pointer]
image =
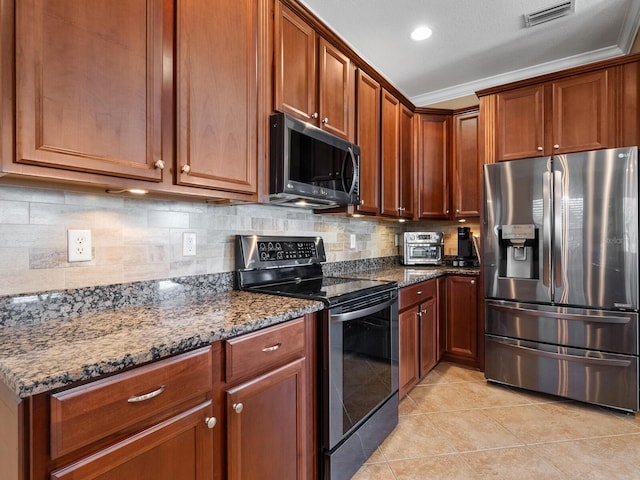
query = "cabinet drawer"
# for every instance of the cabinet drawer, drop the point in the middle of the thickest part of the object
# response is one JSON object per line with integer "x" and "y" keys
{"x": 417, "y": 293}
{"x": 88, "y": 413}
{"x": 256, "y": 352}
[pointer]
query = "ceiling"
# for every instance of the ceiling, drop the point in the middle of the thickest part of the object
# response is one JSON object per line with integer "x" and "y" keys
{"x": 475, "y": 44}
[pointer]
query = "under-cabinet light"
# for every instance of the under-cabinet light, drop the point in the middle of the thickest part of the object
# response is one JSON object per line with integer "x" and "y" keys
{"x": 135, "y": 191}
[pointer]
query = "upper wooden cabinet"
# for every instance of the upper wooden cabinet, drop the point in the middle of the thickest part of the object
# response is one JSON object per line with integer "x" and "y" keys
{"x": 216, "y": 94}
{"x": 89, "y": 86}
{"x": 314, "y": 81}
{"x": 466, "y": 166}
{"x": 368, "y": 138}
{"x": 570, "y": 114}
{"x": 103, "y": 97}
{"x": 398, "y": 136}
{"x": 434, "y": 154}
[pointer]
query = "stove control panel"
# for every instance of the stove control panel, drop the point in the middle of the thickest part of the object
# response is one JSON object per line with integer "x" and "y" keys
{"x": 262, "y": 251}
{"x": 284, "y": 250}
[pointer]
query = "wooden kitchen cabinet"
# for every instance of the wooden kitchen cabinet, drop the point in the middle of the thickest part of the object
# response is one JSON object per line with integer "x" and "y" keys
{"x": 103, "y": 98}
{"x": 462, "y": 320}
{"x": 89, "y": 87}
{"x": 216, "y": 94}
{"x": 314, "y": 81}
{"x": 418, "y": 333}
{"x": 154, "y": 421}
{"x": 466, "y": 166}
{"x": 368, "y": 138}
{"x": 269, "y": 400}
{"x": 434, "y": 156}
{"x": 397, "y": 183}
{"x": 566, "y": 115}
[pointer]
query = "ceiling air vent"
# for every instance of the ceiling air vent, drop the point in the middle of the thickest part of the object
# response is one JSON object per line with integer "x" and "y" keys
{"x": 549, "y": 13}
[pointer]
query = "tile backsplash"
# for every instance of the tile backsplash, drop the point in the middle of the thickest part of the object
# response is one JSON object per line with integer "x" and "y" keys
{"x": 138, "y": 238}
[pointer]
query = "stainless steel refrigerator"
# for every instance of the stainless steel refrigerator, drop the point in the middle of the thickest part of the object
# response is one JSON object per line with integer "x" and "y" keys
{"x": 561, "y": 275}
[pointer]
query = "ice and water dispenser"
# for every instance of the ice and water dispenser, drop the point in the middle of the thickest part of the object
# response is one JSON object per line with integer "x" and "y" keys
{"x": 518, "y": 251}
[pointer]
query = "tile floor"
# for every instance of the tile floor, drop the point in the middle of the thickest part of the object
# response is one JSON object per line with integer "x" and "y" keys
{"x": 454, "y": 425}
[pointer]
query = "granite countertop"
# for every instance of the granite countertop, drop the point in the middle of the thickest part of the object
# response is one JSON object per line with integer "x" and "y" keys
{"x": 36, "y": 358}
{"x": 40, "y": 356}
{"x": 408, "y": 275}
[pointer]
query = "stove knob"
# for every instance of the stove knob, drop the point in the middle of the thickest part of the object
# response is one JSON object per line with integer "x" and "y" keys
{"x": 278, "y": 246}
{"x": 270, "y": 246}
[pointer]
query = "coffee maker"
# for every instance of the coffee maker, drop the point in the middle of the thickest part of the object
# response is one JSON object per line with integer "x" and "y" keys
{"x": 466, "y": 255}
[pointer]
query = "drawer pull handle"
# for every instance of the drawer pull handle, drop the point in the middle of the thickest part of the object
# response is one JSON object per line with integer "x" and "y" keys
{"x": 210, "y": 422}
{"x": 419, "y": 292}
{"x": 147, "y": 396}
{"x": 238, "y": 407}
{"x": 272, "y": 348}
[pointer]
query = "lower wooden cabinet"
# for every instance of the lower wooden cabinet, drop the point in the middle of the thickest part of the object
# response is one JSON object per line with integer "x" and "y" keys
{"x": 462, "y": 320}
{"x": 419, "y": 333}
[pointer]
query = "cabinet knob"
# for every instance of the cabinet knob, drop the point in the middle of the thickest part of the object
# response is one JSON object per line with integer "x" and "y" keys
{"x": 314, "y": 115}
{"x": 457, "y": 210}
{"x": 424, "y": 311}
{"x": 473, "y": 282}
{"x": 447, "y": 211}
{"x": 186, "y": 168}
{"x": 325, "y": 120}
{"x": 556, "y": 146}
{"x": 361, "y": 202}
{"x": 159, "y": 164}
{"x": 210, "y": 422}
{"x": 238, "y": 407}
{"x": 539, "y": 149}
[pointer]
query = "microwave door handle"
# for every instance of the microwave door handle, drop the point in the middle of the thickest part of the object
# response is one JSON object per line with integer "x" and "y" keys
{"x": 356, "y": 174}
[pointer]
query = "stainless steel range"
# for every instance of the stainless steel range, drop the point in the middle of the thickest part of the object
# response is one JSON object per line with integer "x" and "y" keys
{"x": 358, "y": 344}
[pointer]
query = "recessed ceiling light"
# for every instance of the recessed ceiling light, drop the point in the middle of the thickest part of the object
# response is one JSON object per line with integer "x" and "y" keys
{"x": 421, "y": 33}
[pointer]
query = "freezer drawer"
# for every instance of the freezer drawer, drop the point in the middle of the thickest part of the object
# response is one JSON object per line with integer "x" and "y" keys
{"x": 610, "y": 331}
{"x": 585, "y": 375}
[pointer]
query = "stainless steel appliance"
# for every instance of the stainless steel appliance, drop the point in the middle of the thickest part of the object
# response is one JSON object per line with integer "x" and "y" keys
{"x": 310, "y": 167}
{"x": 561, "y": 275}
{"x": 358, "y": 344}
{"x": 423, "y": 248}
{"x": 467, "y": 256}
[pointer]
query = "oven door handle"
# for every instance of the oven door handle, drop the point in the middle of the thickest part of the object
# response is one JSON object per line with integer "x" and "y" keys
{"x": 345, "y": 317}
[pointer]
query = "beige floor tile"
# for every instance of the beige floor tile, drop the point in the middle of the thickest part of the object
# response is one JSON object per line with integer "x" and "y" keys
{"x": 432, "y": 377}
{"x": 378, "y": 471}
{"x": 470, "y": 430}
{"x": 610, "y": 458}
{"x": 461, "y": 396}
{"x": 511, "y": 463}
{"x": 415, "y": 436}
{"x": 450, "y": 372}
{"x": 376, "y": 457}
{"x": 444, "y": 467}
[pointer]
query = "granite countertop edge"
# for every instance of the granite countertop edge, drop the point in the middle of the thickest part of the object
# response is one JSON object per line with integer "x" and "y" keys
{"x": 38, "y": 358}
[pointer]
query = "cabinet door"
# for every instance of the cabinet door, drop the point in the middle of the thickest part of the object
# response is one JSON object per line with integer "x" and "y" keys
{"x": 442, "y": 316}
{"x": 466, "y": 166}
{"x": 433, "y": 160}
{"x": 368, "y": 138}
{"x": 580, "y": 118}
{"x": 407, "y": 156}
{"x": 408, "y": 352}
{"x": 462, "y": 295}
{"x": 428, "y": 335}
{"x": 88, "y": 86}
{"x": 336, "y": 91}
{"x": 390, "y": 155}
{"x": 520, "y": 123}
{"x": 180, "y": 447}
{"x": 267, "y": 426}
{"x": 294, "y": 65}
{"x": 217, "y": 95}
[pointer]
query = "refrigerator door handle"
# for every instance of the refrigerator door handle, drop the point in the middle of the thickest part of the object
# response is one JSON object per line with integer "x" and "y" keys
{"x": 558, "y": 230}
{"x": 562, "y": 316}
{"x": 546, "y": 230}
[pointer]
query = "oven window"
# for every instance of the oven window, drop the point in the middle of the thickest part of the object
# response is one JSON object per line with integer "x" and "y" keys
{"x": 367, "y": 363}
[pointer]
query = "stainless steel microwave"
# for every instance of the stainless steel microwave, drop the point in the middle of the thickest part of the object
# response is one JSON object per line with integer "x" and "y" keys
{"x": 310, "y": 167}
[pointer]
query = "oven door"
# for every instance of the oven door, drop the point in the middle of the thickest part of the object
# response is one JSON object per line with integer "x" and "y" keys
{"x": 360, "y": 362}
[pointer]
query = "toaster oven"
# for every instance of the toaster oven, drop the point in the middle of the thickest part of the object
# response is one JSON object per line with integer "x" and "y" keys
{"x": 423, "y": 248}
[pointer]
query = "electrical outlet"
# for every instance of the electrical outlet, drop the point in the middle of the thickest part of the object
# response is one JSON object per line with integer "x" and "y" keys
{"x": 79, "y": 245}
{"x": 188, "y": 244}
{"x": 352, "y": 240}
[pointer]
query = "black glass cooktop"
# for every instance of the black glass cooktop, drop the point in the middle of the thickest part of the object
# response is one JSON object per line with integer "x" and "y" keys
{"x": 330, "y": 290}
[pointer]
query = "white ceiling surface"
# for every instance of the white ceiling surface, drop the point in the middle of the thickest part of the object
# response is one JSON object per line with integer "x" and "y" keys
{"x": 476, "y": 44}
